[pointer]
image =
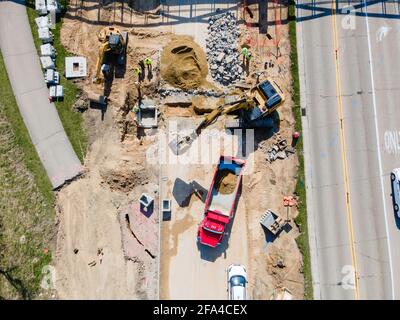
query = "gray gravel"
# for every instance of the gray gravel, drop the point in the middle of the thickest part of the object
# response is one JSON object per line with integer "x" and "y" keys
{"x": 222, "y": 49}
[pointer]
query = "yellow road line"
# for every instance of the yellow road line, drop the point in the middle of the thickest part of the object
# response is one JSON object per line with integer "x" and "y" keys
{"x": 344, "y": 155}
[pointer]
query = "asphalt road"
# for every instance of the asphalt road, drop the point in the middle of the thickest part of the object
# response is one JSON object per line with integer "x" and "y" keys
{"x": 40, "y": 116}
{"x": 349, "y": 89}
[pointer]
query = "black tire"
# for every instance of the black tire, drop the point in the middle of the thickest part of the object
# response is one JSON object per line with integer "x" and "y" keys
{"x": 392, "y": 177}
{"x": 396, "y": 207}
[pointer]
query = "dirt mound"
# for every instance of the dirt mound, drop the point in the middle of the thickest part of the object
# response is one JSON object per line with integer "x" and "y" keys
{"x": 184, "y": 63}
{"x": 225, "y": 182}
{"x": 124, "y": 179}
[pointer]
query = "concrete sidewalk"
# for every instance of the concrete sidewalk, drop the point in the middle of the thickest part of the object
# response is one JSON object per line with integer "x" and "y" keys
{"x": 40, "y": 116}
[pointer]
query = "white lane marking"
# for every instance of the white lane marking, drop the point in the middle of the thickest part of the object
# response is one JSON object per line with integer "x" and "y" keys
{"x": 378, "y": 148}
{"x": 392, "y": 142}
{"x": 382, "y": 32}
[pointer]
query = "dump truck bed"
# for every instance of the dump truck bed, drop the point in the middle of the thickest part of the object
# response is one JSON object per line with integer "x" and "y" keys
{"x": 217, "y": 200}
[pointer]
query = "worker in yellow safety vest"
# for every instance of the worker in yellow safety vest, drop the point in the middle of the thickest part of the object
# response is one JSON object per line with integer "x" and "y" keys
{"x": 148, "y": 62}
{"x": 138, "y": 72}
{"x": 245, "y": 52}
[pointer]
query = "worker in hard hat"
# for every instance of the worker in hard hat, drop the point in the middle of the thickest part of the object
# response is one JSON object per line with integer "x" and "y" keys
{"x": 246, "y": 59}
{"x": 138, "y": 71}
{"x": 245, "y": 53}
{"x": 148, "y": 62}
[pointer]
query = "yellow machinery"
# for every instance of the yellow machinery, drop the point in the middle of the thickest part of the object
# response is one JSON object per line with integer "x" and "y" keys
{"x": 255, "y": 107}
{"x": 113, "y": 41}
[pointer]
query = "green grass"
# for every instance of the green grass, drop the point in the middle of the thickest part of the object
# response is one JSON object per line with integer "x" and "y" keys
{"x": 26, "y": 203}
{"x": 71, "y": 120}
{"x": 301, "y": 220}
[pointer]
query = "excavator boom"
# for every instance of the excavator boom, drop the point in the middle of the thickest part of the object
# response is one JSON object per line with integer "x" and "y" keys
{"x": 98, "y": 78}
{"x": 180, "y": 144}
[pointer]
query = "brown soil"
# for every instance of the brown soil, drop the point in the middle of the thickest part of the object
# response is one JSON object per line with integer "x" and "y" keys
{"x": 89, "y": 208}
{"x": 225, "y": 181}
{"x": 125, "y": 178}
{"x": 184, "y": 63}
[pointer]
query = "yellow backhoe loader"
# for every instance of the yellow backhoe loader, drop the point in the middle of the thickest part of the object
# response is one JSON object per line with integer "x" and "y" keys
{"x": 112, "y": 41}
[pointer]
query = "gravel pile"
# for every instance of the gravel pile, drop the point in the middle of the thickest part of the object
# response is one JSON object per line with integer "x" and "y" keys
{"x": 169, "y": 92}
{"x": 222, "y": 48}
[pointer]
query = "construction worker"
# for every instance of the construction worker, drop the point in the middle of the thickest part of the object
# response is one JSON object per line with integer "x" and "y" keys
{"x": 148, "y": 63}
{"x": 246, "y": 59}
{"x": 245, "y": 53}
{"x": 138, "y": 72}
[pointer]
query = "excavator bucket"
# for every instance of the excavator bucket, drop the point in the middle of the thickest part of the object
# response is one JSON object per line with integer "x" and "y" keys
{"x": 179, "y": 144}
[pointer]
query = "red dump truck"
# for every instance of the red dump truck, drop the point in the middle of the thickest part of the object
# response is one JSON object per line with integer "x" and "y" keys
{"x": 221, "y": 200}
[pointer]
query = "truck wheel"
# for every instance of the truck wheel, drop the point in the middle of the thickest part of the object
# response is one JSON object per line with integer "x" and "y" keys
{"x": 396, "y": 207}
{"x": 392, "y": 177}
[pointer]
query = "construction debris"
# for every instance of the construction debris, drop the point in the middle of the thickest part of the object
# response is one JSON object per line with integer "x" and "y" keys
{"x": 222, "y": 44}
{"x": 279, "y": 150}
{"x": 180, "y": 99}
{"x": 164, "y": 92}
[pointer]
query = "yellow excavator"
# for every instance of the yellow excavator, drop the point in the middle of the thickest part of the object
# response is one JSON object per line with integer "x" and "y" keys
{"x": 255, "y": 106}
{"x": 112, "y": 41}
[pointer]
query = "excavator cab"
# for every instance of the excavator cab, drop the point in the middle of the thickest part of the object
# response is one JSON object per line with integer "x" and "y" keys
{"x": 115, "y": 43}
{"x": 268, "y": 96}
